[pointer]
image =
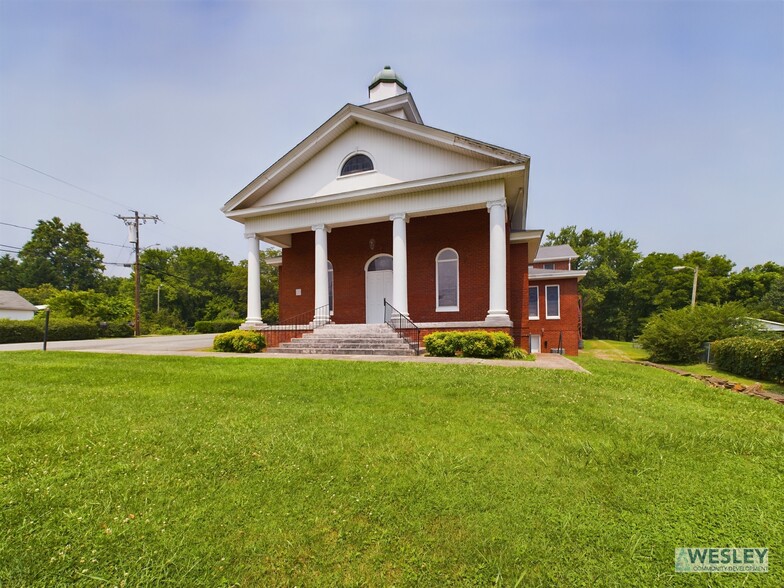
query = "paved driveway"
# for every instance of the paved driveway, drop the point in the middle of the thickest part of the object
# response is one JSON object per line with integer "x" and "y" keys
{"x": 145, "y": 345}
{"x": 200, "y": 345}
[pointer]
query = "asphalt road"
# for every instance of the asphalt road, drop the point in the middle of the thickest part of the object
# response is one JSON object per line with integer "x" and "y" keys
{"x": 145, "y": 345}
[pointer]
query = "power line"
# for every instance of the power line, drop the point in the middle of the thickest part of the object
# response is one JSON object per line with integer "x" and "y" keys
{"x": 17, "y": 226}
{"x": 55, "y": 196}
{"x": 85, "y": 190}
{"x": 10, "y": 251}
{"x": 89, "y": 240}
{"x": 10, "y": 246}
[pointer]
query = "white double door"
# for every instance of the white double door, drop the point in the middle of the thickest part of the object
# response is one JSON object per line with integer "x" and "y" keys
{"x": 378, "y": 286}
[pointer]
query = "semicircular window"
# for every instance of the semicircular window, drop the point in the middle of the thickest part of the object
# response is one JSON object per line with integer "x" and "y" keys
{"x": 355, "y": 164}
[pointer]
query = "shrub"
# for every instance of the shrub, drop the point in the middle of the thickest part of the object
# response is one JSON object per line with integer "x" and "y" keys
{"x": 677, "y": 336}
{"x": 754, "y": 358}
{"x": 115, "y": 329}
{"x": 240, "y": 342}
{"x": 72, "y": 330}
{"x": 217, "y": 326}
{"x": 20, "y": 331}
{"x": 468, "y": 344}
{"x": 517, "y": 353}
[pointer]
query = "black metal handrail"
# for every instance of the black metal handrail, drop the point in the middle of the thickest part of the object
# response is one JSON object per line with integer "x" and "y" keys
{"x": 401, "y": 323}
{"x": 305, "y": 320}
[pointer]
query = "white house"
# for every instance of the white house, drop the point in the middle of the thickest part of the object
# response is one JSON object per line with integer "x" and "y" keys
{"x": 14, "y": 307}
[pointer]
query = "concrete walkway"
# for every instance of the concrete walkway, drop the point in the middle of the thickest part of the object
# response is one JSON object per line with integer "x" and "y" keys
{"x": 199, "y": 346}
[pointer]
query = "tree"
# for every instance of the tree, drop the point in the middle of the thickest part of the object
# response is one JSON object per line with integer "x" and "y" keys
{"x": 60, "y": 255}
{"x": 198, "y": 284}
{"x": 10, "y": 273}
{"x": 609, "y": 259}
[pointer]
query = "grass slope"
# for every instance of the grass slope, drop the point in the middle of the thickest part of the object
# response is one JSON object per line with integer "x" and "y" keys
{"x": 626, "y": 351}
{"x": 152, "y": 471}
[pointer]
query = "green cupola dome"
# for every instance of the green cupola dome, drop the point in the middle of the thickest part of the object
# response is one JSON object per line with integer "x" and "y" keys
{"x": 387, "y": 75}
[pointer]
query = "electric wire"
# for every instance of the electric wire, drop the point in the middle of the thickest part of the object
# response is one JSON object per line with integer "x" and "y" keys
{"x": 55, "y": 196}
{"x": 85, "y": 190}
{"x": 89, "y": 240}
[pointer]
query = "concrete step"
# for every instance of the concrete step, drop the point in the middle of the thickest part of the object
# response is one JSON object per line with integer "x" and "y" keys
{"x": 348, "y": 340}
{"x": 333, "y": 351}
{"x": 335, "y": 341}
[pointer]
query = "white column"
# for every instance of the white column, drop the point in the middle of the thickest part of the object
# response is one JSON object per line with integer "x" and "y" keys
{"x": 253, "y": 319}
{"x": 497, "y": 311}
{"x": 322, "y": 275}
{"x": 399, "y": 264}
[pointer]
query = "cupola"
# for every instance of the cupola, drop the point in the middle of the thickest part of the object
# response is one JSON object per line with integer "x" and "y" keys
{"x": 386, "y": 84}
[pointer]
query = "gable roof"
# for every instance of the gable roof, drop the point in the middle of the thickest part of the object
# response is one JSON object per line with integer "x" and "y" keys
{"x": 351, "y": 115}
{"x": 555, "y": 253}
{"x": 12, "y": 301}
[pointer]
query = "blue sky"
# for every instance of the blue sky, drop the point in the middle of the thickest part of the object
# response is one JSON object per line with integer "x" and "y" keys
{"x": 664, "y": 120}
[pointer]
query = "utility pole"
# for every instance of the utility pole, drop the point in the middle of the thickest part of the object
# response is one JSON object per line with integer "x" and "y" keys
{"x": 132, "y": 222}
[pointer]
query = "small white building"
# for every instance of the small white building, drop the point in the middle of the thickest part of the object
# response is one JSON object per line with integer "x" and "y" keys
{"x": 14, "y": 307}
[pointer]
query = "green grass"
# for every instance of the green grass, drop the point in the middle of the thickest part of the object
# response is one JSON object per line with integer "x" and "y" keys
{"x": 154, "y": 471}
{"x": 614, "y": 350}
{"x": 625, "y": 351}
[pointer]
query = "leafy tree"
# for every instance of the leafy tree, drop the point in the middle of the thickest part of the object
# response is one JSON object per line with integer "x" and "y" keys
{"x": 198, "y": 284}
{"x": 40, "y": 294}
{"x": 60, "y": 255}
{"x": 609, "y": 259}
{"x": 772, "y": 304}
{"x": 10, "y": 273}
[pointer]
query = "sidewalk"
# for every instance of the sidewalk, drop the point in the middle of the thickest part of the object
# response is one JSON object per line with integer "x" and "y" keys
{"x": 199, "y": 345}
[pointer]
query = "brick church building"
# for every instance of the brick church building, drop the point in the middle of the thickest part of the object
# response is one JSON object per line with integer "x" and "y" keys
{"x": 374, "y": 206}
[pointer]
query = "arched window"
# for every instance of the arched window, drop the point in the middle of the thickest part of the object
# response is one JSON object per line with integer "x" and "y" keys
{"x": 380, "y": 263}
{"x": 331, "y": 288}
{"x": 355, "y": 164}
{"x": 447, "y": 280}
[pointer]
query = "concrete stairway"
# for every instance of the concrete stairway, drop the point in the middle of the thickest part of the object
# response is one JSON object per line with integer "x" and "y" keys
{"x": 348, "y": 340}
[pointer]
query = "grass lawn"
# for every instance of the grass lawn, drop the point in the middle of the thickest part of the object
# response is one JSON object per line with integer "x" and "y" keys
{"x": 625, "y": 351}
{"x": 147, "y": 471}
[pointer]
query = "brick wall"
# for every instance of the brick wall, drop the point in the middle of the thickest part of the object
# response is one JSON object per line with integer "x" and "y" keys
{"x": 550, "y": 329}
{"x": 350, "y": 248}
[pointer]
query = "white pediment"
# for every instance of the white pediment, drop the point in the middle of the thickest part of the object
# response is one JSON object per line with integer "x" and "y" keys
{"x": 396, "y": 159}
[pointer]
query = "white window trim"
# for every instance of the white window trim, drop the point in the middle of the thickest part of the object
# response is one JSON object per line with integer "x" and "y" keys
{"x": 547, "y": 314}
{"x": 455, "y": 308}
{"x": 331, "y": 273}
{"x": 536, "y": 316}
{"x": 349, "y": 156}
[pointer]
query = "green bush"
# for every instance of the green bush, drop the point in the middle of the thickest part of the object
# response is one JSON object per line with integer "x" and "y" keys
{"x": 240, "y": 342}
{"x": 468, "y": 344}
{"x": 677, "y": 336}
{"x": 754, "y": 358}
{"x": 72, "y": 330}
{"x": 217, "y": 326}
{"x": 115, "y": 329}
{"x": 517, "y": 353}
{"x": 20, "y": 331}
{"x": 59, "y": 330}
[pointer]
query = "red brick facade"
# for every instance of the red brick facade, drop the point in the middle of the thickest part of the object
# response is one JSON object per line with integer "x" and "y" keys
{"x": 565, "y": 328}
{"x": 350, "y": 249}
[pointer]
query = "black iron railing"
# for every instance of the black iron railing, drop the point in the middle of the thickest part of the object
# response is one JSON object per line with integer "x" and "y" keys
{"x": 403, "y": 325}
{"x": 305, "y": 320}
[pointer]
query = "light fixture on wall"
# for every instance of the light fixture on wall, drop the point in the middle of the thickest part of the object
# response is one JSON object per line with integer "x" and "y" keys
{"x": 372, "y": 244}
